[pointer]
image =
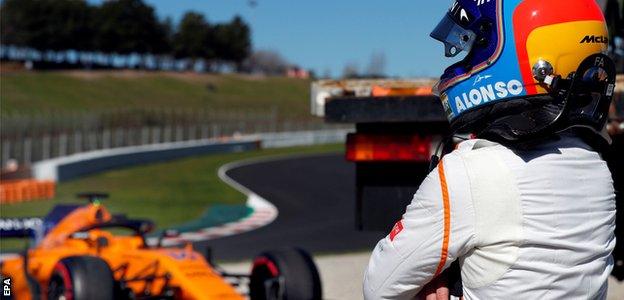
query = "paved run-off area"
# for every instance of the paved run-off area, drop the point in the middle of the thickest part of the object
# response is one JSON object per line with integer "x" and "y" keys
{"x": 342, "y": 276}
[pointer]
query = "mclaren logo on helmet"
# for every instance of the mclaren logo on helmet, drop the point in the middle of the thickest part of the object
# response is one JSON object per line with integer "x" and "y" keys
{"x": 595, "y": 39}
{"x": 485, "y": 94}
{"x": 461, "y": 14}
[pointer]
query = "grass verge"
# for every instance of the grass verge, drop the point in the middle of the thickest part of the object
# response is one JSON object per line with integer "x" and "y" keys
{"x": 27, "y": 92}
{"x": 169, "y": 193}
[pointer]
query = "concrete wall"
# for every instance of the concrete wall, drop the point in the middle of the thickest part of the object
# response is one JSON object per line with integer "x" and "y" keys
{"x": 75, "y": 166}
{"x": 82, "y": 164}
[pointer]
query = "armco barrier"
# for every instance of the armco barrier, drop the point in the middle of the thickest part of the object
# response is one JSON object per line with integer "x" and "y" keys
{"x": 77, "y": 165}
{"x": 302, "y": 138}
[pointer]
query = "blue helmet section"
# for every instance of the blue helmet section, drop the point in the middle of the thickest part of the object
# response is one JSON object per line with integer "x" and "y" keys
{"x": 480, "y": 13}
{"x": 491, "y": 72}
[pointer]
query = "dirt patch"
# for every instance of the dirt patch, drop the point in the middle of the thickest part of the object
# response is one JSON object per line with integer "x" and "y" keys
{"x": 8, "y": 67}
{"x": 134, "y": 74}
{"x": 186, "y": 76}
{"x": 202, "y": 78}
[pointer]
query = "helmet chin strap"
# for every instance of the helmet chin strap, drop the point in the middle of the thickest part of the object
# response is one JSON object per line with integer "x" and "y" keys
{"x": 588, "y": 94}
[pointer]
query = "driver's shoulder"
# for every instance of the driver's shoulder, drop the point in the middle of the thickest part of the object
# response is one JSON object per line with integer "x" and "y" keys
{"x": 482, "y": 161}
{"x": 484, "y": 151}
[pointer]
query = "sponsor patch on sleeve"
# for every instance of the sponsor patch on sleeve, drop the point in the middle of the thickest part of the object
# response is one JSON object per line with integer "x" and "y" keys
{"x": 398, "y": 227}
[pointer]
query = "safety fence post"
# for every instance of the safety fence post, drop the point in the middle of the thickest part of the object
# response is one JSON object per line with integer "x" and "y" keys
{"x": 106, "y": 138}
{"x": 204, "y": 131}
{"x": 156, "y": 135}
{"x": 62, "y": 144}
{"x": 192, "y": 133}
{"x": 92, "y": 139}
{"x": 216, "y": 131}
{"x": 45, "y": 147}
{"x": 144, "y": 136}
{"x": 167, "y": 134}
{"x": 27, "y": 148}
{"x": 179, "y": 132}
{"x": 6, "y": 151}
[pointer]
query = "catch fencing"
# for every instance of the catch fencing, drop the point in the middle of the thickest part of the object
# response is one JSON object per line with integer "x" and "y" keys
{"x": 30, "y": 138}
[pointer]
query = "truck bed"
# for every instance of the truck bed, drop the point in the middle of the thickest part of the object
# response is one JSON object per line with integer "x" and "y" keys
{"x": 412, "y": 109}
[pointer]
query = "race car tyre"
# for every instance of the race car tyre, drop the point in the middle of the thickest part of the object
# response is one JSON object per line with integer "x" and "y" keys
{"x": 288, "y": 274}
{"x": 81, "y": 278}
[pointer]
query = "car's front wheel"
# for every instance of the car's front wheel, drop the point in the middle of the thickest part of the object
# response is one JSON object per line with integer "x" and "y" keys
{"x": 81, "y": 278}
{"x": 288, "y": 274}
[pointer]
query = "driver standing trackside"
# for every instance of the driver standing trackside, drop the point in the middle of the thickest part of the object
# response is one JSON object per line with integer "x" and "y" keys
{"x": 528, "y": 207}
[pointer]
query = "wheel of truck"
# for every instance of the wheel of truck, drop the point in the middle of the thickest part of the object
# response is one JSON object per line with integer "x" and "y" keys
{"x": 288, "y": 274}
{"x": 81, "y": 278}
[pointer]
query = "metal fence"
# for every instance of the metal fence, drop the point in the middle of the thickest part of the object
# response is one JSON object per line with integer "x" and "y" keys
{"x": 31, "y": 138}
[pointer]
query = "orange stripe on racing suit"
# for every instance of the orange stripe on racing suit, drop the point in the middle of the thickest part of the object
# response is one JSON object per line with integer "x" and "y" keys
{"x": 447, "y": 219}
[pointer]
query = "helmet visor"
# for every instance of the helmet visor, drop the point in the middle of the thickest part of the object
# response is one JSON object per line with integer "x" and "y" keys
{"x": 455, "y": 38}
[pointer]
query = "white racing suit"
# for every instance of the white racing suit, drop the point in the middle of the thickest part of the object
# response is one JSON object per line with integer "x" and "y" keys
{"x": 532, "y": 224}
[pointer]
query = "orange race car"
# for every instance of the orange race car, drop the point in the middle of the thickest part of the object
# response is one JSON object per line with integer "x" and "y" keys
{"x": 82, "y": 256}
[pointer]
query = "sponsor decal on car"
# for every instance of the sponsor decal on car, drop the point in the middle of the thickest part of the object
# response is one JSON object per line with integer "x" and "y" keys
{"x": 20, "y": 223}
{"x": 182, "y": 255}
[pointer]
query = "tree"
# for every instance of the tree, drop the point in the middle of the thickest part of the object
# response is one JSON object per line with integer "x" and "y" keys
{"x": 351, "y": 70}
{"x": 128, "y": 26}
{"x": 194, "y": 37}
{"x": 267, "y": 62}
{"x": 233, "y": 41}
{"x": 122, "y": 27}
{"x": 17, "y": 22}
{"x": 70, "y": 25}
{"x": 167, "y": 31}
{"x": 376, "y": 65}
{"x": 47, "y": 24}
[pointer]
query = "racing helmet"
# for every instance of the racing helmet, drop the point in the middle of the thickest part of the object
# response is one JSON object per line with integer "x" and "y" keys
{"x": 528, "y": 67}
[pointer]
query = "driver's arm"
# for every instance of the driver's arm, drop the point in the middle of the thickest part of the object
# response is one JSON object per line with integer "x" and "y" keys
{"x": 437, "y": 228}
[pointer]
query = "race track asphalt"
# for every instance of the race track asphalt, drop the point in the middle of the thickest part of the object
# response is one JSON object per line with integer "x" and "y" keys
{"x": 315, "y": 199}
